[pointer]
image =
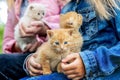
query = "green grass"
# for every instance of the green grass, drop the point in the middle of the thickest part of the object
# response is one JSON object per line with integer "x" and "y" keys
{"x": 1, "y": 36}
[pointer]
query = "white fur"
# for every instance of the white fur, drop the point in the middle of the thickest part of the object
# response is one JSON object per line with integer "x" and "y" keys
{"x": 31, "y": 14}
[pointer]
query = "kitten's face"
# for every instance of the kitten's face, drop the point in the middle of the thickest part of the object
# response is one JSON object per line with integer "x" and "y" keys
{"x": 70, "y": 20}
{"x": 60, "y": 40}
{"x": 37, "y": 11}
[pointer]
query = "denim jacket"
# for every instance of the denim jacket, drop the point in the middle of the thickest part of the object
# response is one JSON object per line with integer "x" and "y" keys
{"x": 101, "y": 49}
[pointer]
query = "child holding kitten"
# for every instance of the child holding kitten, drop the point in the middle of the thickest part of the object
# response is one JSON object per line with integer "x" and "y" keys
{"x": 100, "y": 57}
{"x": 34, "y": 12}
{"x": 14, "y": 57}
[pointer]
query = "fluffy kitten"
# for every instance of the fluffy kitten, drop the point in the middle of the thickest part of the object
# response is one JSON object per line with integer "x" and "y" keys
{"x": 72, "y": 20}
{"x": 34, "y": 12}
{"x": 54, "y": 50}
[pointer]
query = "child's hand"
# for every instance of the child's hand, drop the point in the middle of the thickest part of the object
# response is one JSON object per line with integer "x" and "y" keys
{"x": 35, "y": 27}
{"x": 33, "y": 67}
{"x": 31, "y": 47}
{"x": 75, "y": 69}
{"x": 41, "y": 27}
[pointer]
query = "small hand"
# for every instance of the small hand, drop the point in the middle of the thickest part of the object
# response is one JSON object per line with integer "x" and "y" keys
{"x": 73, "y": 66}
{"x": 41, "y": 27}
{"x": 36, "y": 27}
{"x": 33, "y": 67}
{"x": 31, "y": 47}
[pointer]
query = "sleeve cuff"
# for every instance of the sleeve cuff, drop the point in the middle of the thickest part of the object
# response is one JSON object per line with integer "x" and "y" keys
{"x": 89, "y": 62}
{"x": 25, "y": 65}
{"x": 7, "y": 47}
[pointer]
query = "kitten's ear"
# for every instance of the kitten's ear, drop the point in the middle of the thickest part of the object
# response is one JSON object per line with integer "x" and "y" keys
{"x": 61, "y": 15}
{"x": 50, "y": 33}
{"x": 31, "y": 7}
{"x": 70, "y": 31}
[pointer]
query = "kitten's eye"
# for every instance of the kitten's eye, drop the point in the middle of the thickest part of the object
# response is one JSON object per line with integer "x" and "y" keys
{"x": 57, "y": 43}
{"x": 38, "y": 13}
{"x": 65, "y": 42}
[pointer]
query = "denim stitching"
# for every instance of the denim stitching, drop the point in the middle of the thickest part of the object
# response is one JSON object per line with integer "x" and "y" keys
{"x": 4, "y": 76}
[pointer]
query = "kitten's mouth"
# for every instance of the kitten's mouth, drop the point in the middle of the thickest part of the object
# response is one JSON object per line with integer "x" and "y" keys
{"x": 37, "y": 19}
{"x": 70, "y": 27}
{"x": 61, "y": 51}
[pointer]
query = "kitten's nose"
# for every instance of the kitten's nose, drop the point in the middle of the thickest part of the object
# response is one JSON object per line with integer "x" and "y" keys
{"x": 62, "y": 48}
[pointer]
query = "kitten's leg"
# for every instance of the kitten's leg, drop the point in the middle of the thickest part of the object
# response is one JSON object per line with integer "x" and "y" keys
{"x": 23, "y": 47}
{"x": 59, "y": 68}
{"x": 45, "y": 65}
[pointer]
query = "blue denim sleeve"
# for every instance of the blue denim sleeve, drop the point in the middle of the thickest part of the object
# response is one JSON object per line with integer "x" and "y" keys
{"x": 102, "y": 61}
{"x": 90, "y": 63}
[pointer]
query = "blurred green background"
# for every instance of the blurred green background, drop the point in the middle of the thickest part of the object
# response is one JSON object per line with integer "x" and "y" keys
{"x": 3, "y": 19}
{"x": 1, "y": 35}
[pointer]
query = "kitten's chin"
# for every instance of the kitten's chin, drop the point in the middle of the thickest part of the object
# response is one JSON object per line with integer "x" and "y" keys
{"x": 69, "y": 26}
{"x": 60, "y": 51}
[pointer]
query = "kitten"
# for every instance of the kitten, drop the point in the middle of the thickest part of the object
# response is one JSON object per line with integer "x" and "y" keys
{"x": 72, "y": 20}
{"x": 34, "y": 12}
{"x": 54, "y": 50}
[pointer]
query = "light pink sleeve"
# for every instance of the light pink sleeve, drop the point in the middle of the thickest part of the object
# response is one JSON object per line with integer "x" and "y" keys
{"x": 8, "y": 41}
{"x": 51, "y": 19}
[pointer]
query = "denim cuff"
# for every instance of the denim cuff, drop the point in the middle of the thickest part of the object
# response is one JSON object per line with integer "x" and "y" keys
{"x": 24, "y": 65}
{"x": 89, "y": 63}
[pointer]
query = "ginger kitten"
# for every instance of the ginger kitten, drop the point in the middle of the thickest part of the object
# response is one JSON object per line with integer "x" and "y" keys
{"x": 73, "y": 20}
{"x": 54, "y": 50}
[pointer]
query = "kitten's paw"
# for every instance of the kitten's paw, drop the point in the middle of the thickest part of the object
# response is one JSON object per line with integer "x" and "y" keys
{"x": 48, "y": 72}
{"x": 59, "y": 69}
{"x": 24, "y": 47}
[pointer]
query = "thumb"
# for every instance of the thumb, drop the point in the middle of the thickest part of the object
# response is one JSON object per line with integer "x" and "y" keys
{"x": 37, "y": 23}
{"x": 69, "y": 58}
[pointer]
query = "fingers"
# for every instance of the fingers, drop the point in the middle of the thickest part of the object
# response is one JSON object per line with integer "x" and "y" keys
{"x": 68, "y": 62}
{"x": 69, "y": 58}
{"x": 75, "y": 69}
{"x": 73, "y": 74}
{"x": 32, "y": 74}
{"x": 34, "y": 71}
{"x": 74, "y": 77}
{"x": 35, "y": 46}
{"x": 69, "y": 72}
{"x": 26, "y": 32}
{"x": 27, "y": 48}
{"x": 67, "y": 67}
{"x": 34, "y": 28}
{"x": 37, "y": 23}
{"x": 33, "y": 67}
{"x": 33, "y": 63}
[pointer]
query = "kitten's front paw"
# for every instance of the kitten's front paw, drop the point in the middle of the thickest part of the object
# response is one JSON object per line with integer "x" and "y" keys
{"x": 47, "y": 72}
{"x": 59, "y": 69}
{"x": 24, "y": 47}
